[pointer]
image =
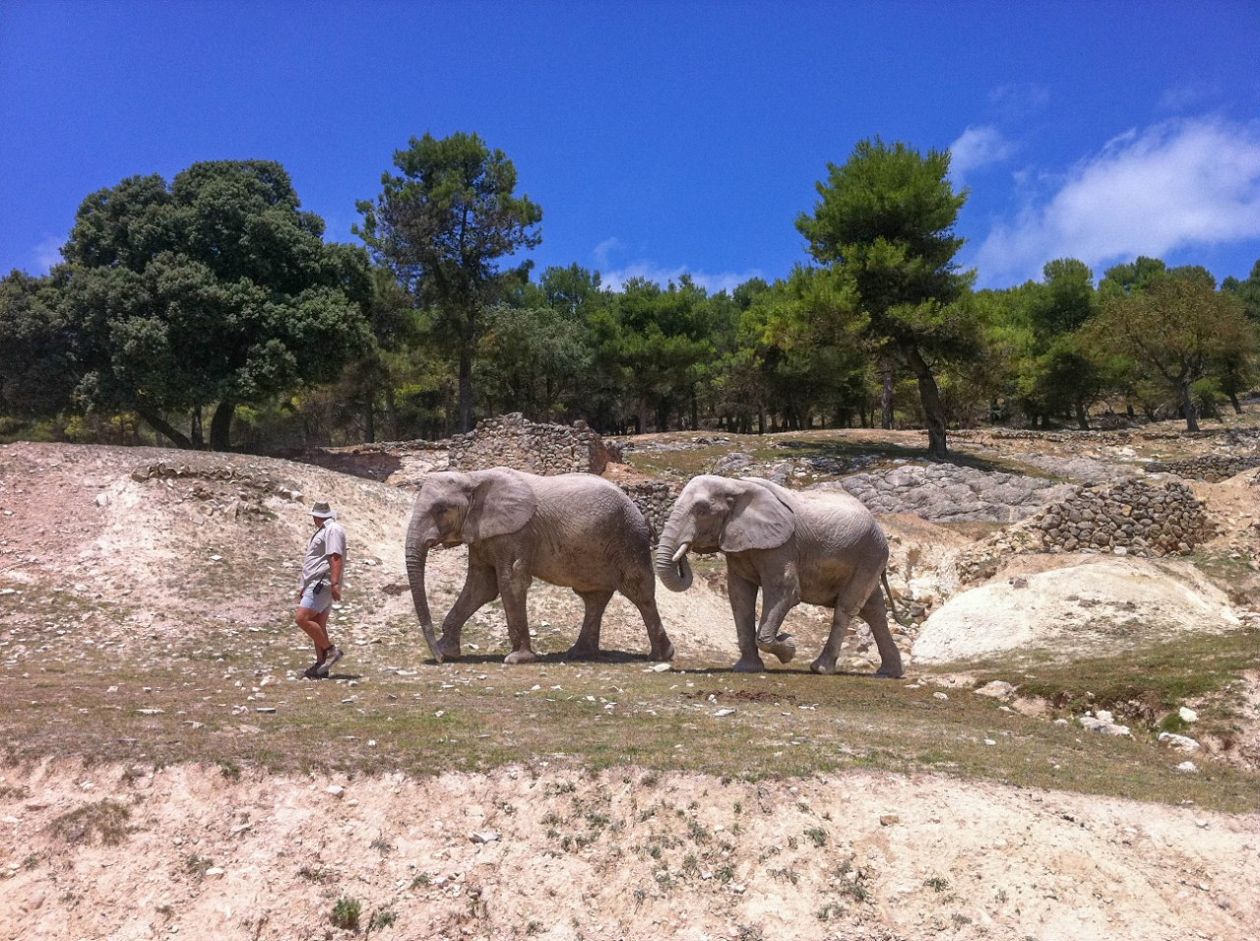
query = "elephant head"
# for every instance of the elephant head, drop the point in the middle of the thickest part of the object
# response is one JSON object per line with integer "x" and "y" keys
{"x": 453, "y": 508}
{"x": 720, "y": 513}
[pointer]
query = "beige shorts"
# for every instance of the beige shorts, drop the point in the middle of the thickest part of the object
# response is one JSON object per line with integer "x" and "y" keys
{"x": 317, "y": 597}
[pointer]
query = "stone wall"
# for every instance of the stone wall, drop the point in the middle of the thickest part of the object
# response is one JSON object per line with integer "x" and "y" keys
{"x": 654, "y": 499}
{"x": 1210, "y": 467}
{"x": 514, "y": 441}
{"x": 1133, "y": 517}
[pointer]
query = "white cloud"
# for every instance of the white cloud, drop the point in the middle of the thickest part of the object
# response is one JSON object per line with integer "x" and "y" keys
{"x": 604, "y": 249}
{"x": 47, "y": 253}
{"x": 1186, "y": 95}
{"x": 1018, "y": 101}
{"x": 1146, "y": 192}
{"x": 976, "y": 147}
{"x": 615, "y": 280}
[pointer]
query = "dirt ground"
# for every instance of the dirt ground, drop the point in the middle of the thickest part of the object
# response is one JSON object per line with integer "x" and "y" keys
{"x": 167, "y": 773}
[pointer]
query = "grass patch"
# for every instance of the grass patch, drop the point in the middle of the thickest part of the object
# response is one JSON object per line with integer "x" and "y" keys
{"x": 346, "y": 913}
{"x": 492, "y": 715}
{"x": 103, "y": 822}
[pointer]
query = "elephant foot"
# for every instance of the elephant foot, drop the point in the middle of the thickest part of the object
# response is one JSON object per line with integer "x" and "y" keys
{"x": 749, "y": 664}
{"x": 663, "y": 653}
{"x": 823, "y": 666}
{"x": 524, "y": 655}
{"x": 448, "y": 648}
{"x": 783, "y": 647}
{"x": 581, "y": 652}
{"x": 892, "y": 671}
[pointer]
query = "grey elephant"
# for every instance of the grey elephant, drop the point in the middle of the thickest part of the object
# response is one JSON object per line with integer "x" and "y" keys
{"x": 822, "y": 548}
{"x": 574, "y": 530}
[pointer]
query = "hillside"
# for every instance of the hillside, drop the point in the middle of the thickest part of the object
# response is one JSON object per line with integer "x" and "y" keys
{"x": 167, "y": 770}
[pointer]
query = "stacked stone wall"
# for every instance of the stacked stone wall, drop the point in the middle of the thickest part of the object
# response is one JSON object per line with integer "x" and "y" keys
{"x": 1210, "y": 467}
{"x": 514, "y": 441}
{"x": 1133, "y": 517}
{"x": 654, "y": 499}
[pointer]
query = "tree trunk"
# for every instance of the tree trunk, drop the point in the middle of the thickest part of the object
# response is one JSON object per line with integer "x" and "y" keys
{"x": 886, "y": 398}
{"x": 1187, "y": 405}
{"x": 198, "y": 440}
{"x": 1233, "y": 400}
{"x": 221, "y": 426}
{"x": 369, "y": 417}
{"x": 933, "y": 408}
{"x": 163, "y": 427}
{"x": 465, "y": 391}
{"x": 391, "y": 412}
{"x": 1082, "y": 416}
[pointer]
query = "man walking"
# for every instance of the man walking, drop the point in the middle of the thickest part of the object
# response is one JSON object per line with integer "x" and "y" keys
{"x": 320, "y": 585}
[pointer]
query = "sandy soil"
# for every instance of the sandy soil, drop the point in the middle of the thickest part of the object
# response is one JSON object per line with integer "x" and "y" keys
{"x": 622, "y": 854}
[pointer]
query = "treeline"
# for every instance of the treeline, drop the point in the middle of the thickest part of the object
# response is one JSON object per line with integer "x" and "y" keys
{"x": 211, "y": 311}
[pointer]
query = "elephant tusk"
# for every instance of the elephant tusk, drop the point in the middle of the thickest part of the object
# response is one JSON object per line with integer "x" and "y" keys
{"x": 681, "y": 552}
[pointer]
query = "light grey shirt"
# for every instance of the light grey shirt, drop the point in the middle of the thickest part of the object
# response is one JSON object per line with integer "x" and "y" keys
{"x": 329, "y": 539}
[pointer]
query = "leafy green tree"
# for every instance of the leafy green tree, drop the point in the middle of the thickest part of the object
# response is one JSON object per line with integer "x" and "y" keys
{"x": 215, "y": 290}
{"x": 887, "y": 215}
{"x": 535, "y": 360}
{"x": 1248, "y": 292}
{"x": 1173, "y": 328}
{"x": 39, "y": 349}
{"x": 443, "y": 224}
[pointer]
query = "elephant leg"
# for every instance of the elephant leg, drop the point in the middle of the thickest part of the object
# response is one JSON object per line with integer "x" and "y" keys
{"x": 825, "y": 662}
{"x": 641, "y": 590}
{"x": 775, "y": 606}
{"x": 743, "y": 595}
{"x": 875, "y": 614}
{"x": 514, "y": 579}
{"x": 587, "y": 645}
{"x": 480, "y": 587}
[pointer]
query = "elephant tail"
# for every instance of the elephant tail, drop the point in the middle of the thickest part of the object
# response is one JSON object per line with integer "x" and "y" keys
{"x": 892, "y": 606}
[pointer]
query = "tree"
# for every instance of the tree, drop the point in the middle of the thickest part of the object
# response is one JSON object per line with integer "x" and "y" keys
{"x": 39, "y": 350}
{"x": 1174, "y": 327}
{"x": 1248, "y": 292}
{"x": 216, "y": 290}
{"x": 443, "y": 224}
{"x": 887, "y": 215}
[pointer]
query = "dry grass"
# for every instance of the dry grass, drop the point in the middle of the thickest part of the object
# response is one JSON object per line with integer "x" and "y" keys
{"x": 104, "y": 822}
{"x": 479, "y": 715}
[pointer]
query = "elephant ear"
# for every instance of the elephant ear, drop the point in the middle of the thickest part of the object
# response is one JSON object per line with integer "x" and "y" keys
{"x": 502, "y": 502}
{"x": 759, "y": 520}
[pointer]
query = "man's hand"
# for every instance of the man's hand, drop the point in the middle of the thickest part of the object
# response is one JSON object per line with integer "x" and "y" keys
{"x": 336, "y": 592}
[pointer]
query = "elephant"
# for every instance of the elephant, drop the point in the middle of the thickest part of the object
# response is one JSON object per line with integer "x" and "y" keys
{"x": 822, "y": 548}
{"x": 575, "y": 530}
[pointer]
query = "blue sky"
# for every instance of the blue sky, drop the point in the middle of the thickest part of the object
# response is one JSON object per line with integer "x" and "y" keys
{"x": 665, "y": 137}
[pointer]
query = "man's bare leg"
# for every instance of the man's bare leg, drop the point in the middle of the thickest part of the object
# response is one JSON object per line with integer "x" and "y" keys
{"x": 316, "y": 628}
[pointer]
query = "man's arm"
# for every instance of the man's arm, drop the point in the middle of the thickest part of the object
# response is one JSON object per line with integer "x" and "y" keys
{"x": 336, "y": 561}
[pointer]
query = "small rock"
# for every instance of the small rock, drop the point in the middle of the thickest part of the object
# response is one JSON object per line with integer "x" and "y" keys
{"x": 998, "y": 689}
{"x": 888, "y": 820}
{"x": 1187, "y": 714}
{"x": 662, "y": 667}
{"x": 102, "y": 499}
{"x": 150, "y": 712}
{"x": 214, "y": 871}
{"x": 486, "y": 836}
{"x": 336, "y": 790}
{"x": 1187, "y": 767}
{"x": 721, "y": 713}
{"x": 265, "y": 709}
{"x": 940, "y": 696}
{"x": 1184, "y": 742}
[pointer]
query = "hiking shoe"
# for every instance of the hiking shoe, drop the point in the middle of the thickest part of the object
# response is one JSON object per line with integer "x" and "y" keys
{"x": 331, "y": 656}
{"x": 312, "y": 672}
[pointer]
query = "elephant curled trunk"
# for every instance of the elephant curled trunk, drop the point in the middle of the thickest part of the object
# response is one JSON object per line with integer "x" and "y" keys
{"x": 670, "y": 560}
{"x": 416, "y": 559}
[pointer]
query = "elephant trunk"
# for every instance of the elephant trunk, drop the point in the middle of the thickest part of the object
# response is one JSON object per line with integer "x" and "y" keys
{"x": 671, "y": 563}
{"x": 417, "y": 556}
